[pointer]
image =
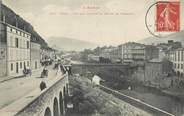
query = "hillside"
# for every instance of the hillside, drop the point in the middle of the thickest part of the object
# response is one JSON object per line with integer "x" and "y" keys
{"x": 69, "y": 44}
{"x": 11, "y": 17}
{"x": 179, "y": 36}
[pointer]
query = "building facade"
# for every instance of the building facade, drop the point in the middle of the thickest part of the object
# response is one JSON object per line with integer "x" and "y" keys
{"x": 166, "y": 49}
{"x": 157, "y": 68}
{"x": 16, "y": 44}
{"x": 114, "y": 55}
{"x": 93, "y": 58}
{"x": 110, "y": 53}
{"x": 3, "y": 50}
{"x": 35, "y": 56}
{"x": 178, "y": 61}
{"x": 105, "y": 53}
{"x": 135, "y": 52}
{"x": 120, "y": 51}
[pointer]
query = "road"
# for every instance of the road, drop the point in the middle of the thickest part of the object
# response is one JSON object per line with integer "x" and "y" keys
{"x": 14, "y": 89}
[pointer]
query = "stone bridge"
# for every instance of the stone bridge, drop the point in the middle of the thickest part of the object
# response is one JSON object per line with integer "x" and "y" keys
{"x": 48, "y": 102}
{"x": 96, "y": 68}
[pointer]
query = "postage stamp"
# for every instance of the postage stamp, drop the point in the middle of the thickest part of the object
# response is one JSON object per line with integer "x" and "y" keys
{"x": 168, "y": 16}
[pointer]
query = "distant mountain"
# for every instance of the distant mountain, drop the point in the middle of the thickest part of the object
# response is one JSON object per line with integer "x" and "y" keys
{"x": 179, "y": 36}
{"x": 69, "y": 44}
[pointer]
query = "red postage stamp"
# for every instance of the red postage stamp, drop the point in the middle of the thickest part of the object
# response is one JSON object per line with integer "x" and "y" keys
{"x": 168, "y": 16}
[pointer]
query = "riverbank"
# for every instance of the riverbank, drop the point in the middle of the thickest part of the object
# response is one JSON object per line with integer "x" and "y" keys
{"x": 89, "y": 100}
{"x": 153, "y": 96}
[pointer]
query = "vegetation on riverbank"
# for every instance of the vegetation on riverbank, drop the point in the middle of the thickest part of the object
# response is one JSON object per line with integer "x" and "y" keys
{"x": 89, "y": 100}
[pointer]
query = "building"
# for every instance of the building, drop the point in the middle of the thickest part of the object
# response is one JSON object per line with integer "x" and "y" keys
{"x": 178, "y": 61}
{"x": 105, "y": 53}
{"x": 35, "y": 56}
{"x": 151, "y": 52}
{"x": 93, "y": 58}
{"x": 113, "y": 54}
{"x": 47, "y": 54}
{"x": 156, "y": 69}
{"x": 166, "y": 49}
{"x": 110, "y": 53}
{"x": 132, "y": 52}
{"x": 3, "y": 50}
{"x": 15, "y": 43}
{"x": 120, "y": 51}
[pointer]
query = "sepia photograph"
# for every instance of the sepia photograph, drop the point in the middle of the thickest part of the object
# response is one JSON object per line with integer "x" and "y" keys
{"x": 91, "y": 57}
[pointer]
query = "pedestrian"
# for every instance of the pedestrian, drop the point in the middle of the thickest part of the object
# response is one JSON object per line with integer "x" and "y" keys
{"x": 62, "y": 69}
{"x": 43, "y": 85}
{"x": 44, "y": 72}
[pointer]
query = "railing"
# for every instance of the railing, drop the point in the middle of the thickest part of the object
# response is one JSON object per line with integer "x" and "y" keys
{"x": 98, "y": 64}
{"x": 30, "y": 102}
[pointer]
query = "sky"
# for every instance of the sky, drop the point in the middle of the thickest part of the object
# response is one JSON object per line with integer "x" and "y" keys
{"x": 104, "y": 22}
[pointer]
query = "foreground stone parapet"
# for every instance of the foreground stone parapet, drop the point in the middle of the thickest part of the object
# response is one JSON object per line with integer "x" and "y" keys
{"x": 48, "y": 102}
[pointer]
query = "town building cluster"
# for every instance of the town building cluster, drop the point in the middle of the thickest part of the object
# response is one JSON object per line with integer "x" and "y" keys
{"x": 165, "y": 58}
{"x": 19, "y": 52}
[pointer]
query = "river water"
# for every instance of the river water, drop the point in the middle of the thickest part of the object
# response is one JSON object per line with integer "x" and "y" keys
{"x": 156, "y": 98}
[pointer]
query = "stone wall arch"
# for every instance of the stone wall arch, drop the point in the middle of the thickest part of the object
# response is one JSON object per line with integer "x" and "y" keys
{"x": 61, "y": 103}
{"x": 55, "y": 107}
{"x": 47, "y": 112}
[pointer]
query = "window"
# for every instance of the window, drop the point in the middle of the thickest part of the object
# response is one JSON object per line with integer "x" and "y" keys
{"x": 11, "y": 29}
{"x": 24, "y": 65}
{"x": 27, "y": 63}
{"x": 35, "y": 65}
{"x": 181, "y": 66}
{"x": 27, "y": 44}
{"x": 20, "y": 64}
{"x": 11, "y": 66}
{"x": 178, "y": 55}
{"x": 16, "y": 42}
{"x": 17, "y": 67}
{"x": 178, "y": 66}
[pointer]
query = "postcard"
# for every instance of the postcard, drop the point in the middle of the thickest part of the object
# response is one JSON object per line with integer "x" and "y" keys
{"x": 91, "y": 57}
